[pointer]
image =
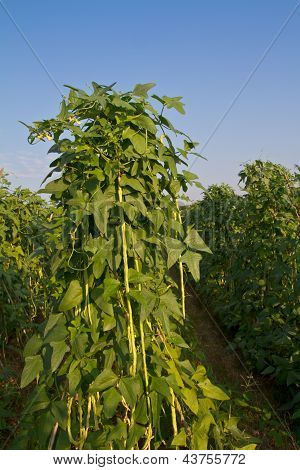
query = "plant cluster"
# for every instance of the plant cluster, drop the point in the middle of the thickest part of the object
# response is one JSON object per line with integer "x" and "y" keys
{"x": 113, "y": 370}
{"x": 252, "y": 279}
{"x": 25, "y": 246}
{"x": 25, "y": 284}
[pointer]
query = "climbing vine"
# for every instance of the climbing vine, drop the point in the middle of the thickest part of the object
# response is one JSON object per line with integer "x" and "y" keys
{"x": 112, "y": 368}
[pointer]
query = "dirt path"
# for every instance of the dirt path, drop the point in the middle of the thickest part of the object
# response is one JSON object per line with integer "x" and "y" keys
{"x": 228, "y": 369}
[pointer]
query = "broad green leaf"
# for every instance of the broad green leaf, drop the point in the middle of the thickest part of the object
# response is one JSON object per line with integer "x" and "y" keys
{"x": 136, "y": 276}
{"x": 72, "y": 297}
{"x": 174, "y": 249}
{"x": 109, "y": 322}
{"x": 74, "y": 378}
{"x": 33, "y": 367}
{"x": 177, "y": 340}
{"x": 60, "y": 412}
{"x": 39, "y": 400}
{"x": 99, "y": 264}
{"x": 145, "y": 122}
{"x": 111, "y": 400}
{"x": 194, "y": 241}
{"x": 79, "y": 345}
{"x": 200, "y": 432}
{"x": 192, "y": 260}
{"x": 33, "y": 346}
{"x": 104, "y": 380}
{"x": 191, "y": 400}
{"x": 118, "y": 432}
{"x": 174, "y": 103}
{"x": 130, "y": 389}
{"x": 212, "y": 391}
{"x": 180, "y": 439}
{"x": 136, "y": 431}
{"x": 138, "y": 141}
{"x": 110, "y": 288}
{"x": 140, "y": 414}
{"x": 59, "y": 349}
{"x": 189, "y": 176}
{"x": 56, "y": 186}
{"x": 53, "y": 320}
{"x": 142, "y": 89}
{"x": 104, "y": 305}
{"x": 169, "y": 302}
{"x": 160, "y": 385}
{"x": 133, "y": 183}
{"x": 58, "y": 333}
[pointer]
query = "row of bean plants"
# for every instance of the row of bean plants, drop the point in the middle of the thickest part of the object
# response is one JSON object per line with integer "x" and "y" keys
{"x": 25, "y": 284}
{"x": 110, "y": 362}
{"x": 252, "y": 279}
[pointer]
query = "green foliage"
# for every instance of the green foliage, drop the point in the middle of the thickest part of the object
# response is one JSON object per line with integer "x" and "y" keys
{"x": 25, "y": 247}
{"x": 252, "y": 279}
{"x": 116, "y": 372}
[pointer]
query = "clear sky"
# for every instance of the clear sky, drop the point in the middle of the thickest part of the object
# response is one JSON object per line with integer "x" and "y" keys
{"x": 199, "y": 49}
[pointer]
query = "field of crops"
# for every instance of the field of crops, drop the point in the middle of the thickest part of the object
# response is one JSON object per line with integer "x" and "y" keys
{"x": 98, "y": 348}
{"x": 252, "y": 280}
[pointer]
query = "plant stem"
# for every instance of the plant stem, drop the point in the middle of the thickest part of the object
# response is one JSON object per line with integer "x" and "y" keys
{"x": 146, "y": 378}
{"x": 126, "y": 282}
{"x": 181, "y": 270}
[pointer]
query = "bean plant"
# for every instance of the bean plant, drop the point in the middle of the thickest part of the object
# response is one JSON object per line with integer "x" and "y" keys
{"x": 252, "y": 280}
{"x": 112, "y": 368}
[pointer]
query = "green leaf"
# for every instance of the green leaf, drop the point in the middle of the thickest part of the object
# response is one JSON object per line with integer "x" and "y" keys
{"x": 74, "y": 377}
{"x": 174, "y": 103}
{"x": 192, "y": 260}
{"x": 133, "y": 183}
{"x": 109, "y": 322}
{"x": 58, "y": 333}
{"x": 33, "y": 346}
{"x": 33, "y": 366}
{"x": 142, "y": 89}
{"x": 140, "y": 414}
{"x": 194, "y": 241}
{"x": 138, "y": 140}
{"x": 130, "y": 389}
{"x": 72, "y": 297}
{"x": 118, "y": 431}
{"x": 144, "y": 122}
{"x": 56, "y": 186}
{"x": 104, "y": 380}
{"x": 53, "y": 320}
{"x": 59, "y": 349}
{"x": 180, "y": 439}
{"x": 191, "y": 400}
{"x": 160, "y": 385}
{"x": 79, "y": 345}
{"x": 111, "y": 400}
{"x": 212, "y": 391}
{"x": 99, "y": 264}
{"x": 170, "y": 303}
{"x": 136, "y": 431}
{"x": 177, "y": 340}
{"x": 189, "y": 176}
{"x": 110, "y": 288}
{"x": 200, "y": 432}
{"x": 137, "y": 277}
{"x": 60, "y": 412}
{"x": 174, "y": 250}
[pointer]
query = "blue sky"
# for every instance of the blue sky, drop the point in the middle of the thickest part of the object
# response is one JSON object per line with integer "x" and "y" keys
{"x": 199, "y": 49}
